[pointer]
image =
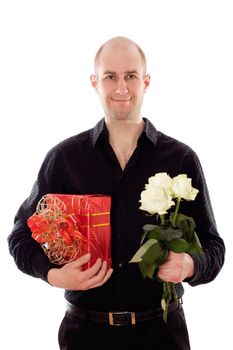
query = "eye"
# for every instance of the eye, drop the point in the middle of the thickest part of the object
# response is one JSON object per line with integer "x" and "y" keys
{"x": 110, "y": 77}
{"x": 130, "y": 76}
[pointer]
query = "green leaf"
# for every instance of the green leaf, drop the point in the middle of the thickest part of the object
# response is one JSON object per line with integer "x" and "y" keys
{"x": 149, "y": 227}
{"x": 170, "y": 233}
{"x": 163, "y": 256}
{"x": 178, "y": 245}
{"x": 143, "y": 268}
{"x": 143, "y": 237}
{"x": 153, "y": 253}
{"x": 156, "y": 234}
{"x": 187, "y": 225}
{"x": 153, "y": 257}
{"x": 195, "y": 246}
{"x": 142, "y": 250}
{"x": 180, "y": 217}
{"x": 147, "y": 270}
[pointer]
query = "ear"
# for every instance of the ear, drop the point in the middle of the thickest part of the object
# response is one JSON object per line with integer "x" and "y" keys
{"x": 146, "y": 82}
{"x": 94, "y": 82}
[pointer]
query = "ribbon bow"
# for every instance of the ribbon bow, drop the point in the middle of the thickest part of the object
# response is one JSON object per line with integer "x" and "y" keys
{"x": 57, "y": 231}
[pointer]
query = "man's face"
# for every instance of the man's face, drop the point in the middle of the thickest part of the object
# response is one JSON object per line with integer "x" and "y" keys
{"x": 121, "y": 82}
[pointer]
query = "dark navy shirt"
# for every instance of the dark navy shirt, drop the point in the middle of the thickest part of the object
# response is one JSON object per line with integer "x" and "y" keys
{"x": 86, "y": 164}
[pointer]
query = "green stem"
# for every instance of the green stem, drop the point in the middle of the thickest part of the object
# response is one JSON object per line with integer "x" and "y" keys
{"x": 176, "y": 211}
{"x": 166, "y": 298}
{"x": 162, "y": 218}
{"x": 175, "y": 296}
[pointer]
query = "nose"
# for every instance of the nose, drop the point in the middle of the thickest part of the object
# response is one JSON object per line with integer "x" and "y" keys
{"x": 121, "y": 87}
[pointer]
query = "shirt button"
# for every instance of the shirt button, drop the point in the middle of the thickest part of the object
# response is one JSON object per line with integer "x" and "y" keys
{"x": 120, "y": 265}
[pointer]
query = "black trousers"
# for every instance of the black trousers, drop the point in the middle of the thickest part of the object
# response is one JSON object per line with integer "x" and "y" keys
{"x": 76, "y": 334}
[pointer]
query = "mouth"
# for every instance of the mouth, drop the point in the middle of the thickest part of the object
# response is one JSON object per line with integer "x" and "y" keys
{"x": 121, "y": 99}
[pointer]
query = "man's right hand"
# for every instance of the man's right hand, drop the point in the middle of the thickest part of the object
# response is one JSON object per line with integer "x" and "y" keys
{"x": 72, "y": 277}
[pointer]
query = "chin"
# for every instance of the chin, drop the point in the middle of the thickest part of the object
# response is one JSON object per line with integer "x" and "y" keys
{"x": 123, "y": 118}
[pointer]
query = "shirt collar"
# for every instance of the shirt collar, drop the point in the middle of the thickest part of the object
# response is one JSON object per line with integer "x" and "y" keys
{"x": 149, "y": 131}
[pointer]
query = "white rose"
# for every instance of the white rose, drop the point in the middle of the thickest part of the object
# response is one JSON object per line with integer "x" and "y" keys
{"x": 182, "y": 188}
{"x": 161, "y": 180}
{"x": 155, "y": 200}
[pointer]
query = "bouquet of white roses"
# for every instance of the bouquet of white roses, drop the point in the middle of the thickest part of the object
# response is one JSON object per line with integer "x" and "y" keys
{"x": 175, "y": 231}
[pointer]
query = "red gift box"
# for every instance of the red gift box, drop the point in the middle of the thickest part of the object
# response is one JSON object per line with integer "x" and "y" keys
{"x": 69, "y": 226}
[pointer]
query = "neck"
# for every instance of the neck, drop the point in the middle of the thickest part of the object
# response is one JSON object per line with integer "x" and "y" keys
{"x": 124, "y": 132}
{"x": 123, "y": 137}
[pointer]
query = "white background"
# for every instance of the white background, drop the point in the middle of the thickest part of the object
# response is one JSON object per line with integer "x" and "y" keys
{"x": 47, "y": 49}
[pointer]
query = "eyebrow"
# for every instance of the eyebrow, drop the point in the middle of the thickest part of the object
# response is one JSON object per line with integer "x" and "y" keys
{"x": 134, "y": 71}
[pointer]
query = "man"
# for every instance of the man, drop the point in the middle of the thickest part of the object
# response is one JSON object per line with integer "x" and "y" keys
{"x": 116, "y": 308}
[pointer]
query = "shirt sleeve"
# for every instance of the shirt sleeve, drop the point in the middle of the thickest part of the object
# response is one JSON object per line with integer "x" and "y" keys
{"x": 208, "y": 265}
{"x": 27, "y": 253}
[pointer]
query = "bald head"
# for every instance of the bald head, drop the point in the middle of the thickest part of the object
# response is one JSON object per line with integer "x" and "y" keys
{"x": 119, "y": 43}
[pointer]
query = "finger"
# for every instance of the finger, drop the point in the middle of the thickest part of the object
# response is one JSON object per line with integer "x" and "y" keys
{"x": 164, "y": 273}
{"x": 166, "y": 265}
{"x": 102, "y": 271}
{"x": 169, "y": 275}
{"x": 106, "y": 277}
{"x": 80, "y": 261}
{"x": 172, "y": 254}
{"x": 93, "y": 270}
{"x": 98, "y": 277}
{"x": 166, "y": 269}
{"x": 164, "y": 277}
